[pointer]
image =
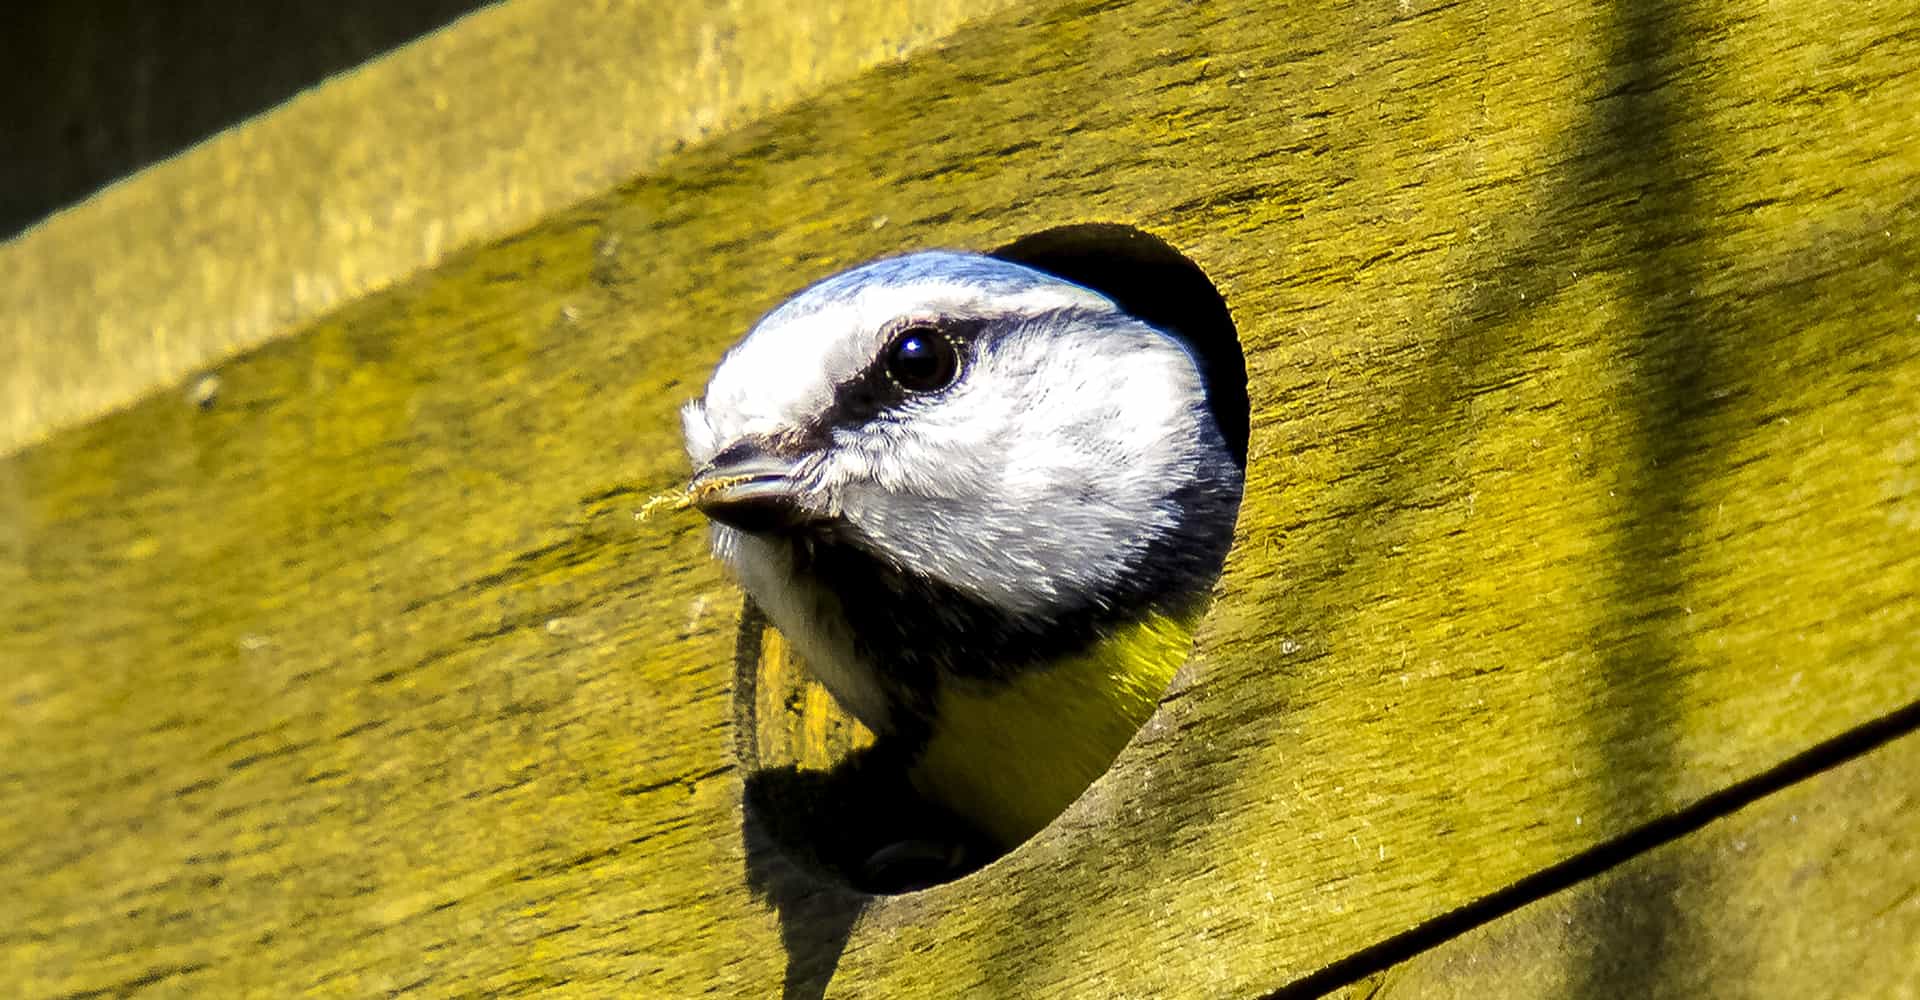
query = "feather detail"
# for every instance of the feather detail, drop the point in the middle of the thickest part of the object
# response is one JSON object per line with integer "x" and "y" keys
{"x": 1010, "y": 755}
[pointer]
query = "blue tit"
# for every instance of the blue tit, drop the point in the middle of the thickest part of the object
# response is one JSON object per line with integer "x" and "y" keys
{"x": 984, "y": 504}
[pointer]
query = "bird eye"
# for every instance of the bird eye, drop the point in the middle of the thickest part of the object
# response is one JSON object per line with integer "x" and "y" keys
{"x": 922, "y": 359}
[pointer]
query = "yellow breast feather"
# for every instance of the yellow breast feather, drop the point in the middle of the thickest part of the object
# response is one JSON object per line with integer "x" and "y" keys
{"x": 1010, "y": 755}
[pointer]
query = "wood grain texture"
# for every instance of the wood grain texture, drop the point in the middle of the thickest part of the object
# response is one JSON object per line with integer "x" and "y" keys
{"x": 118, "y": 86}
{"x": 1813, "y": 892}
{"x": 469, "y": 135}
{"x": 1584, "y": 483}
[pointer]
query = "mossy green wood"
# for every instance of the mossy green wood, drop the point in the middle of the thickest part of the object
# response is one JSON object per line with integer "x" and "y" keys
{"x": 470, "y": 134}
{"x": 1584, "y": 482}
{"x": 1813, "y": 892}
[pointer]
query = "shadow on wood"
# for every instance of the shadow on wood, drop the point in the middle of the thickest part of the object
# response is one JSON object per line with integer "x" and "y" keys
{"x": 1582, "y": 489}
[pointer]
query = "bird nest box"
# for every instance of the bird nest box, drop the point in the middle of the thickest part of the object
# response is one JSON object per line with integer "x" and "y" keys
{"x": 1567, "y": 645}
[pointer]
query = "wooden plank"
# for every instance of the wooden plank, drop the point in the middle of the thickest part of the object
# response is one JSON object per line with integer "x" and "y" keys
{"x": 471, "y": 134}
{"x": 1814, "y": 892}
{"x": 118, "y": 87}
{"x": 1583, "y": 485}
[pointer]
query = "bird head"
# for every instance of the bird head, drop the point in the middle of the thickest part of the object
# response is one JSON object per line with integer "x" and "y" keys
{"x": 956, "y": 430}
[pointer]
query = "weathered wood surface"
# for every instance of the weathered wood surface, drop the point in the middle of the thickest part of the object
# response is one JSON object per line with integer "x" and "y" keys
{"x": 1812, "y": 892}
{"x": 116, "y": 86}
{"x": 1584, "y": 484}
{"x": 469, "y": 135}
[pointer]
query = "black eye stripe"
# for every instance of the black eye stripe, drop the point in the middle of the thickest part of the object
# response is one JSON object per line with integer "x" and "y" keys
{"x": 876, "y": 388}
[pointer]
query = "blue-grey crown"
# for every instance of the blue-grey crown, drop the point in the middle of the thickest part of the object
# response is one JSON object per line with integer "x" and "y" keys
{"x": 990, "y": 275}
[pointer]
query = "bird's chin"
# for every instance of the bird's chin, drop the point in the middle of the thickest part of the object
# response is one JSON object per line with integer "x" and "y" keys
{"x": 794, "y": 543}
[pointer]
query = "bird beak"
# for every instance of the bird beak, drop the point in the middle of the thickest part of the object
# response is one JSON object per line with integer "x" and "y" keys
{"x": 750, "y": 488}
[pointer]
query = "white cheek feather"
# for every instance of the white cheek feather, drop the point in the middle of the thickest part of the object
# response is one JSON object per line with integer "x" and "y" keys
{"x": 1043, "y": 476}
{"x": 702, "y": 444}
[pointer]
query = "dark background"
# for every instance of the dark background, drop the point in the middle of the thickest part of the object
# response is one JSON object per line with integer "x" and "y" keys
{"x": 93, "y": 90}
